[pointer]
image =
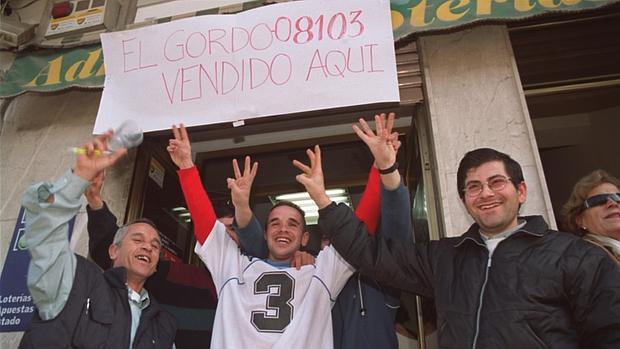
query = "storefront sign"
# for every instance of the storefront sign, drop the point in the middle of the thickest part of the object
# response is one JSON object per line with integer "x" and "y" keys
{"x": 415, "y": 16}
{"x": 47, "y": 71}
{"x": 16, "y": 308}
{"x": 53, "y": 70}
{"x": 279, "y": 59}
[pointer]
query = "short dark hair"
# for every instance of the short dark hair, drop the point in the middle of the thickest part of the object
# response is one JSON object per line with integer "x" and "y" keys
{"x": 477, "y": 157}
{"x": 292, "y": 205}
{"x": 224, "y": 209}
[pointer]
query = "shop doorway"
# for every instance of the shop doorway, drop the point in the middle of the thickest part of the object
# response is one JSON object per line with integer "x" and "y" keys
{"x": 273, "y": 144}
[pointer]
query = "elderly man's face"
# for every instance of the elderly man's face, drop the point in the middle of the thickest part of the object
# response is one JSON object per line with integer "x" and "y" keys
{"x": 138, "y": 252}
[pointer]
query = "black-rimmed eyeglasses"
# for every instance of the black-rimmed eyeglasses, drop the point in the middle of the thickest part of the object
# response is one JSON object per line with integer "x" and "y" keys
{"x": 474, "y": 188}
{"x": 601, "y": 199}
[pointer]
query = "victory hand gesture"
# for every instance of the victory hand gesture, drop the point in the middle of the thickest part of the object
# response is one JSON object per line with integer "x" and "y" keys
{"x": 179, "y": 148}
{"x": 383, "y": 144}
{"x": 312, "y": 177}
{"x": 241, "y": 186}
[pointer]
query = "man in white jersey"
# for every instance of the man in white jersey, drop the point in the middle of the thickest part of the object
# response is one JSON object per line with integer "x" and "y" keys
{"x": 262, "y": 303}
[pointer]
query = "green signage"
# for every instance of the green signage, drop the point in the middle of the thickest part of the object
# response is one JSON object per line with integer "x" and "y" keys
{"x": 53, "y": 70}
{"x": 415, "y": 16}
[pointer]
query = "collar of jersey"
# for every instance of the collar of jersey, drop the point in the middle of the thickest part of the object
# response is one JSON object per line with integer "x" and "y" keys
{"x": 278, "y": 264}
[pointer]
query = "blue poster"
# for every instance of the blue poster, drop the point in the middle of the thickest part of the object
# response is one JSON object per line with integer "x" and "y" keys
{"x": 16, "y": 308}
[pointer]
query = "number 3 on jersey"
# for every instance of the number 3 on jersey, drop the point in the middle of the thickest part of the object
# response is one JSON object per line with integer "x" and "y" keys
{"x": 279, "y": 311}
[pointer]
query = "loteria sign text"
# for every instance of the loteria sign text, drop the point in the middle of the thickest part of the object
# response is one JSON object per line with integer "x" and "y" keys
{"x": 277, "y": 59}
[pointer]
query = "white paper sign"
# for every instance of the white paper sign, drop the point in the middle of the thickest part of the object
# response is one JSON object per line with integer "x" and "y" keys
{"x": 276, "y": 59}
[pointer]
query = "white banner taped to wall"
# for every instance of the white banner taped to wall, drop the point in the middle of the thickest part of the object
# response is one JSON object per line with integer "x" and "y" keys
{"x": 277, "y": 59}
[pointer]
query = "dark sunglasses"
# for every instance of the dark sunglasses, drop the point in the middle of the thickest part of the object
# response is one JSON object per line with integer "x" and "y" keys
{"x": 601, "y": 199}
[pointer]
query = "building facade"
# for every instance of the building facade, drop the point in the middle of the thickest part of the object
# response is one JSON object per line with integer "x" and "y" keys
{"x": 552, "y": 105}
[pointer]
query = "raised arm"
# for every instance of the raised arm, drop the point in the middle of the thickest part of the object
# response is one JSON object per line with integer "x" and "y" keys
{"x": 395, "y": 203}
{"x": 369, "y": 208}
{"x": 101, "y": 223}
{"x": 247, "y": 227}
{"x": 196, "y": 197}
{"x": 198, "y": 201}
{"x": 396, "y": 264}
{"x": 49, "y": 207}
{"x": 396, "y": 214}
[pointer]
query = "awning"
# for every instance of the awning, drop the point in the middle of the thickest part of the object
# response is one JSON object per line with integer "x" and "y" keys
{"x": 53, "y": 70}
{"x": 421, "y": 16}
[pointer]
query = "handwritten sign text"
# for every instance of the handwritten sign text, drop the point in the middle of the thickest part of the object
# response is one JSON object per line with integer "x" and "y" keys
{"x": 276, "y": 59}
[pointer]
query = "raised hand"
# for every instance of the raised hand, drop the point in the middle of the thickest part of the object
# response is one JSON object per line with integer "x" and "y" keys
{"x": 393, "y": 136}
{"x": 179, "y": 148}
{"x": 383, "y": 144}
{"x": 90, "y": 162}
{"x": 241, "y": 186}
{"x": 93, "y": 192}
{"x": 312, "y": 177}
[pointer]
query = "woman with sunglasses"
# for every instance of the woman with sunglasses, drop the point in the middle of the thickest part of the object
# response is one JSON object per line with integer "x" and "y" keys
{"x": 593, "y": 210}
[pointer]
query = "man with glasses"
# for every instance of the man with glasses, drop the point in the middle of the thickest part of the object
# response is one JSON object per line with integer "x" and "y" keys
{"x": 508, "y": 282}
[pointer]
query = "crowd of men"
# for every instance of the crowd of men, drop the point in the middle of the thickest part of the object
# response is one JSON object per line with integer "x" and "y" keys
{"x": 507, "y": 282}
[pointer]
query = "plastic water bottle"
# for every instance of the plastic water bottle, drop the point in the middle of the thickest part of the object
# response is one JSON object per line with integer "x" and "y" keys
{"x": 127, "y": 135}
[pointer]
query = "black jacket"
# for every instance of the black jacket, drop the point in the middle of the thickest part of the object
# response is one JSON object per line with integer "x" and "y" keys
{"x": 541, "y": 288}
{"x": 97, "y": 315}
{"x": 186, "y": 291}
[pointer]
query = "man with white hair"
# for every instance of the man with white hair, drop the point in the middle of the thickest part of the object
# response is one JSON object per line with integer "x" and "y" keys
{"x": 78, "y": 306}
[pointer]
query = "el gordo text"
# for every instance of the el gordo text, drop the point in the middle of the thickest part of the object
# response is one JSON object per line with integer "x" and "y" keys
{"x": 196, "y": 74}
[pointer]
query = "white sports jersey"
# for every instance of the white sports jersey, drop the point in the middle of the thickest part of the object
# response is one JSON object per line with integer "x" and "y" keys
{"x": 261, "y": 306}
